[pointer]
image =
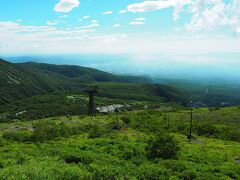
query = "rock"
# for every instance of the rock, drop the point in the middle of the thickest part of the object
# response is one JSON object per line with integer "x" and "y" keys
{"x": 110, "y": 109}
{"x": 19, "y": 113}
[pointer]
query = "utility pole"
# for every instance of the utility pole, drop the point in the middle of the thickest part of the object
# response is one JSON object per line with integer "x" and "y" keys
{"x": 91, "y": 90}
{"x": 190, "y": 126}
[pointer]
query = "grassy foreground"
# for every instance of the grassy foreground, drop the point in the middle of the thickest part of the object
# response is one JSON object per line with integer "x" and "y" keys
{"x": 117, "y": 147}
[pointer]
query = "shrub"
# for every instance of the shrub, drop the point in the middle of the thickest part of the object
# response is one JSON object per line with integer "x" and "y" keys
{"x": 45, "y": 168}
{"x": 102, "y": 170}
{"x": 182, "y": 128}
{"x": 47, "y": 130}
{"x": 153, "y": 171}
{"x": 205, "y": 129}
{"x": 126, "y": 119}
{"x": 2, "y": 142}
{"x": 115, "y": 125}
{"x": 18, "y": 136}
{"x": 221, "y": 132}
{"x": 234, "y": 135}
{"x": 162, "y": 146}
{"x": 214, "y": 108}
{"x": 175, "y": 165}
{"x": 97, "y": 131}
{"x": 189, "y": 174}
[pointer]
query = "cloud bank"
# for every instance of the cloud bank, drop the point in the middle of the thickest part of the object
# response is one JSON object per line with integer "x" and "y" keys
{"x": 65, "y": 6}
{"x": 206, "y": 14}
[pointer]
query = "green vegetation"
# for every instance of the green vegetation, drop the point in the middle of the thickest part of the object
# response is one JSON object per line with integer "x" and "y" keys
{"x": 140, "y": 92}
{"x": 19, "y": 81}
{"x": 130, "y": 145}
{"x": 213, "y": 94}
{"x": 56, "y": 104}
{"x": 45, "y": 133}
{"x": 34, "y": 91}
{"x": 162, "y": 146}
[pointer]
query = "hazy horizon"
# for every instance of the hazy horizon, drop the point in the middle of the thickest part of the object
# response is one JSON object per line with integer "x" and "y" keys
{"x": 159, "y": 66}
{"x": 179, "y": 39}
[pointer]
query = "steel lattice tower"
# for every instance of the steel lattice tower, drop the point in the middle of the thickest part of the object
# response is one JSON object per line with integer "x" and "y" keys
{"x": 91, "y": 90}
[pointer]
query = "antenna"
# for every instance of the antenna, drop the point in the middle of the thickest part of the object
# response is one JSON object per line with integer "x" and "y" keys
{"x": 91, "y": 90}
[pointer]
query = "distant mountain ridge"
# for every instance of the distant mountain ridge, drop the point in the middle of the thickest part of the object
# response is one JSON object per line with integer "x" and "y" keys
{"x": 22, "y": 80}
{"x": 74, "y": 72}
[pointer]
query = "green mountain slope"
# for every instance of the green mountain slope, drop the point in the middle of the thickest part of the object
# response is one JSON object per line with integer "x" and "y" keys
{"x": 80, "y": 74}
{"x": 17, "y": 83}
{"x": 20, "y": 81}
{"x": 138, "y": 91}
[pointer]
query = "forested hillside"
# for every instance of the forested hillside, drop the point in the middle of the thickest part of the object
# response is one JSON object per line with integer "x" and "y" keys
{"x": 80, "y": 74}
{"x": 45, "y": 90}
{"x": 19, "y": 81}
{"x": 207, "y": 93}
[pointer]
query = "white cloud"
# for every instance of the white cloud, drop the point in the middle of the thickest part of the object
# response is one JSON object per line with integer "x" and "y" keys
{"x": 140, "y": 19}
{"x": 238, "y": 30}
{"x": 19, "y": 39}
{"x": 146, "y": 6}
{"x": 137, "y": 23}
{"x": 122, "y": 11}
{"x": 211, "y": 14}
{"x": 107, "y": 12}
{"x": 94, "y": 21}
{"x": 65, "y": 6}
{"x": 206, "y": 14}
{"x": 86, "y": 17}
{"x": 63, "y": 16}
{"x": 12, "y": 27}
{"x": 93, "y": 25}
{"x": 178, "y": 10}
{"x": 52, "y": 23}
{"x": 16, "y": 38}
{"x": 116, "y": 25}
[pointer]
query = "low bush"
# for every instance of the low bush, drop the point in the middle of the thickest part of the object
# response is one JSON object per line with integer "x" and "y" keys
{"x": 153, "y": 171}
{"x": 18, "y": 136}
{"x": 126, "y": 119}
{"x": 96, "y": 131}
{"x": 221, "y": 132}
{"x": 162, "y": 146}
{"x": 45, "y": 168}
{"x": 2, "y": 142}
{"x": 214, "y": 108}
{"x": 205, "y": 129}
{"x": 47, "y": 130}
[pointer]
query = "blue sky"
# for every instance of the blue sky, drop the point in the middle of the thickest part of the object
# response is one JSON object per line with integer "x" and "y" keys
{"x": 117, "y": 26}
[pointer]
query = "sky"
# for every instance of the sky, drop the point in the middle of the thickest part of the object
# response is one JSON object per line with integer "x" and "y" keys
{"x": 136, "y": 27}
